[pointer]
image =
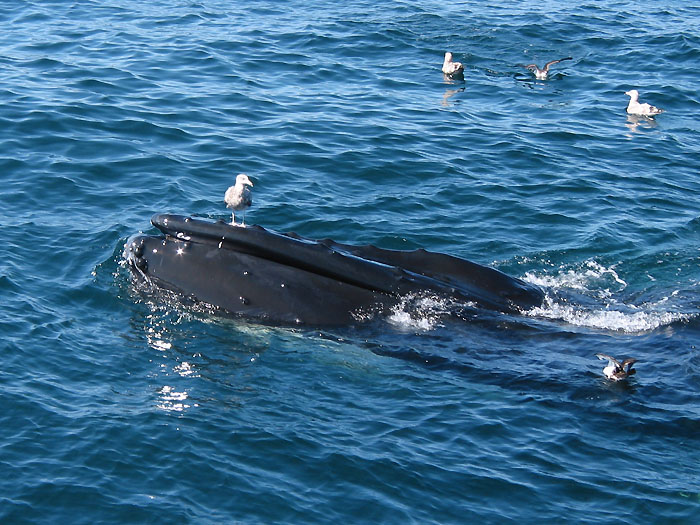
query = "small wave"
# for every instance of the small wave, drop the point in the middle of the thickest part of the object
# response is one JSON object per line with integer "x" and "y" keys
{"x": 591, "y": 276}
{"x": 625, "y": 318}
{"x": 420, "y": 312}
{"x": 593, "y": 280}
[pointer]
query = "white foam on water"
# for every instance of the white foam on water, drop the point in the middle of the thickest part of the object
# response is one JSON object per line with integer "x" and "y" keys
{"x": 420, "y": 312}
{"x": 597, "y": 281}
{"x": 622, "y": 318}
{"x": 592, "y": 276}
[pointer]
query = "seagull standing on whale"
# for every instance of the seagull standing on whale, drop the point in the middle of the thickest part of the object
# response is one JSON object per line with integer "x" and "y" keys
{"x": 615, "y": 370}
{"x": 541, "y": 74}
{"x": 451, "y": 68}
{"x": 644, "y": 109}
{"x": 239, "y": 197}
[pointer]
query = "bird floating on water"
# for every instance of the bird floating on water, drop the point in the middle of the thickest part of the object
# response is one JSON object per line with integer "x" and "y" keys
{"x": 541, "y": 74}
{"x": 635, "y": 108}
{"x": 451, "y": 68}
{"x": 615, "y": 370}
{"x": 239, "y": 197}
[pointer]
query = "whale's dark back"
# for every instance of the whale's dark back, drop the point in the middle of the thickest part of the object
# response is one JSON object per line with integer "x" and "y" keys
{"x": 286, "y": 278}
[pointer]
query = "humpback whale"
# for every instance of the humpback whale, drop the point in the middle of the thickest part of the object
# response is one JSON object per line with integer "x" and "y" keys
{"x": 285, "y": 278}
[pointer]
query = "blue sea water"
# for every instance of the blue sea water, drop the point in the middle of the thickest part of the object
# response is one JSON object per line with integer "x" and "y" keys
{"x": 121, "y": 406}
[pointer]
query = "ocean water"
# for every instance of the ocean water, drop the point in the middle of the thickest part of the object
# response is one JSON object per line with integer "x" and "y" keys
{"x": 122, "y": 405}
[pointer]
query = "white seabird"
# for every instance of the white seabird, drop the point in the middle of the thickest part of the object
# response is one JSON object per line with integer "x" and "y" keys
{"x": 541, "y": 74}
{"x": 635, "y": 108}
{"x": 239, "y": 197}
{"x": 615, "y": 370}
{"x": 451, "y": 68}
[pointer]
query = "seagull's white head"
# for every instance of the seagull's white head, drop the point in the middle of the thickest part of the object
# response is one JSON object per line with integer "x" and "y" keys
{"x": 632, "y": 93}
{"x": 448, "y": 56}
{"x": 243, "y": 180}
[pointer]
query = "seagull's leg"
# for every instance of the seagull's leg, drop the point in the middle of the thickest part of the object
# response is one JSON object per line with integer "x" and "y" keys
{"x": 233, "y": 219}
{"x": 244, "y": 218}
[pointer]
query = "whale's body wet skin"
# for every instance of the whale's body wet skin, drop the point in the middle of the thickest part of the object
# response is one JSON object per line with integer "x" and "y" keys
{"x": 258, "y": 273}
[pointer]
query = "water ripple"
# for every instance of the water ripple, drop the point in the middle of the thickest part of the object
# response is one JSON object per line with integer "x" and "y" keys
{"x": 127, "y": 405}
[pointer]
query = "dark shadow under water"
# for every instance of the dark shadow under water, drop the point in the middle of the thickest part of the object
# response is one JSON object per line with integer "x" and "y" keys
{"x": 530, "y": 355}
